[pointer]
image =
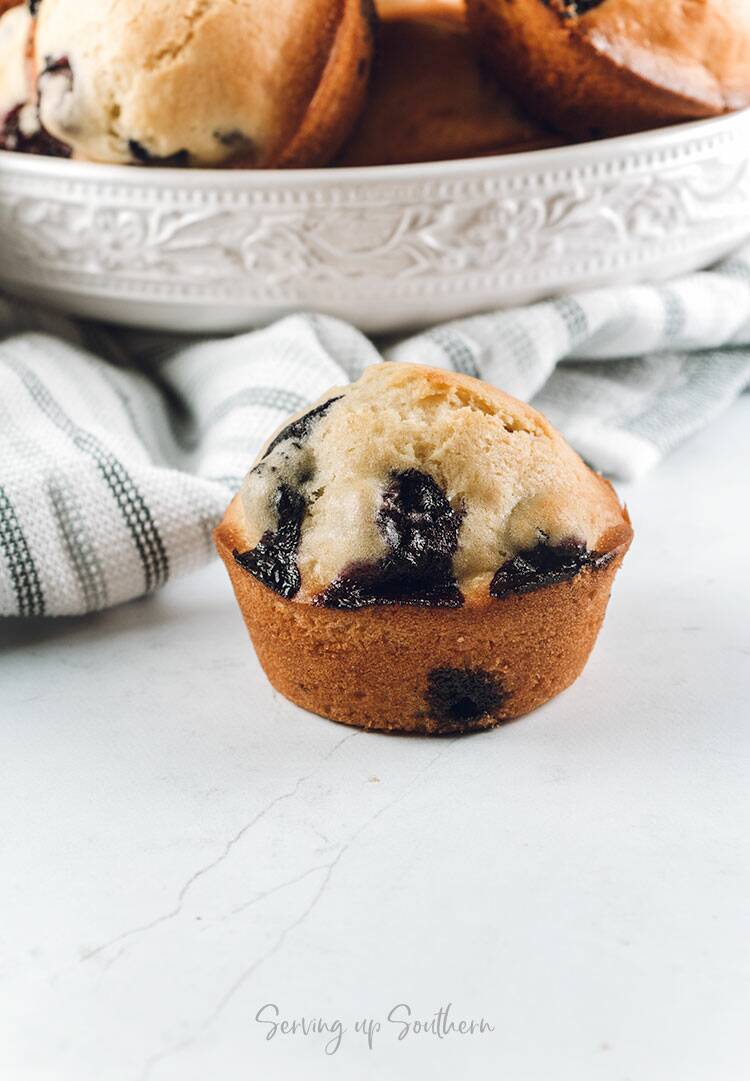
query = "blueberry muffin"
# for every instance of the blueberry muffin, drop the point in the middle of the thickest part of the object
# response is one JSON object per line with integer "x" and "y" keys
{"x": 252, "y": 83}
{"x": 420, "y": 552}
{"x": 607, "y": 67}
{"x": 19, "y": 120}
{"x": 430, "y": 98}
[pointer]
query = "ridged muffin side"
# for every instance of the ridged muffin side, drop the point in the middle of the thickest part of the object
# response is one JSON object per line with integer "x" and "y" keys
{"x": 424, "y": 670}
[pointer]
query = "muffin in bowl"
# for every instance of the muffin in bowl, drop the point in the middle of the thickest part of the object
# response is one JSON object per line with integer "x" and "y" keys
{"x": 430, "y": 97}
{"x": 420, "y": 552}
{"x": 609, "y": 67}
{"x": 250, "y": 83}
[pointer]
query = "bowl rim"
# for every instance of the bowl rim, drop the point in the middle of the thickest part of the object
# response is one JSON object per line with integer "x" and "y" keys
{"x": 547, "y": 159}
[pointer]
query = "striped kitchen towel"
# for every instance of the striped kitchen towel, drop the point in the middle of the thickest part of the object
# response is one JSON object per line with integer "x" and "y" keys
{"x": 119, "y": 450}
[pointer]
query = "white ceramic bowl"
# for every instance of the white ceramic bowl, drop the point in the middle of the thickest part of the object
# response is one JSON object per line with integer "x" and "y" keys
{"x": 387, "y": 247}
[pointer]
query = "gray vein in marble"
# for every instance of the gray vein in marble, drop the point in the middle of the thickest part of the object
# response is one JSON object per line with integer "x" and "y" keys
{"x": 247, "y": 973}
{"x": 274, "y": 889}
{"x": 142, "y": 928}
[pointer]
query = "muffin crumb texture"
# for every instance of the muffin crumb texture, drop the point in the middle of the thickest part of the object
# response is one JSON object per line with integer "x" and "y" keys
{"x": 419, "y": 487}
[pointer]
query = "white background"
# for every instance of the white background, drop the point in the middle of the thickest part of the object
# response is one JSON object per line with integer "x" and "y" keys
{"x": 181, "y": 846}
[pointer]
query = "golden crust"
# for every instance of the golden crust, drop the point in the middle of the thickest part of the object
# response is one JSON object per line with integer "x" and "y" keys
{"x": 623, "y": 66}
{"x": 220, "y": 82}
{"x": 373, "y": 668}
{"x": 429, "y": 98}
{"x": 340, "y": 95}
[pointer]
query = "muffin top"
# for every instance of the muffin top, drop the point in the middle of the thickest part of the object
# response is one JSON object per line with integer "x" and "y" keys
{"x": 169, "y": 82}
{"x": 424, "y": 487}
{"x": 696, "y": 49}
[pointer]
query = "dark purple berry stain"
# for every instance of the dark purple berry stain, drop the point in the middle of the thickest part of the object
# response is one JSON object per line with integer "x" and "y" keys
{"x": 139, "y": 153}
{"x": 582, "y": 6}
{"x": 543, "y": 565}
{"x": 12, "y": 137}
{"x": 420, "y": 529}
{"x": 572, "y": 8}
{"x": 459, "y": 698}
{"x": 273, "y": 561}
{"x": 298, "y": 432}
{"x": 57, "y": 65}
{"x": 39, "y": 141}
{"x": 242, "y": 146}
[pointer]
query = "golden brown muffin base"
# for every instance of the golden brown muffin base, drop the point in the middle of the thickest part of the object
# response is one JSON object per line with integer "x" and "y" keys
{"x": 371, "y": 668}
{"x": 560, "y": 75}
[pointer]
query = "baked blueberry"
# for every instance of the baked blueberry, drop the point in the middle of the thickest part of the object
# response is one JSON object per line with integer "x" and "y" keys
{"x": 273, "y": 561}
{"x": 543, "y": 565}
{"x": 458, "y": 698}
{"x": 285, "y": 474}
{"x": 180, "y": 159}
{"x": 298, "y": 432}
{"x": 420, "y": 529}
{"x": 20, "y": 128}
{"x": 59, "y": 65}
{"x": 244, "y": 152}
{"x": 569, "y": 8}
{"x": 13, "y": 136}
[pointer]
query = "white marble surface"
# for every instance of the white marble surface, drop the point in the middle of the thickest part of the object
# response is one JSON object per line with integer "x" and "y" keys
{"x": 180, "y": 846}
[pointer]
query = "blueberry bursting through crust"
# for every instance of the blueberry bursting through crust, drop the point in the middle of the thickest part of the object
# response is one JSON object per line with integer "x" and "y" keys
{"x": 458, "y": 698}
{"x": 38, "y": 141}
{"x": 420, "y": 529}
{"x": 543, "y": 565}
{"x": 12, "y": 137}
{"x": 569, "y": 9}
{"x": 273, "y": 561}
{"x": 298, "y": 432}
{"x": 138, "y": 152}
